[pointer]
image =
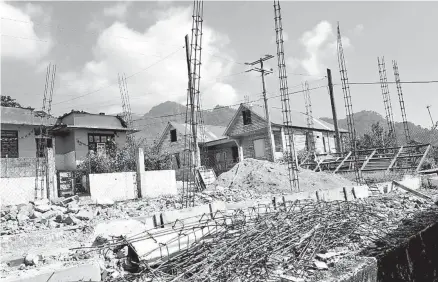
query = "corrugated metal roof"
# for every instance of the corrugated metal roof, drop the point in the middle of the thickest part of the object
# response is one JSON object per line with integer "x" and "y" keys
{"x": 298, "y": 119}
{"x": 212, "y": 132}
{"x": 11, "y": 115}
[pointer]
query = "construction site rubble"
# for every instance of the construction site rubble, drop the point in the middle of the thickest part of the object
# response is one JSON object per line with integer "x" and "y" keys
{"x": 298, "y": 240}
{"x": 251, "y": 179}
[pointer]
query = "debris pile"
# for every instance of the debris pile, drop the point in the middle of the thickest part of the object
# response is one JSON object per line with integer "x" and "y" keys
{"x": 297, "y": 241}
{"x": 73, "y": 211}
{"x": 252, "y": 179}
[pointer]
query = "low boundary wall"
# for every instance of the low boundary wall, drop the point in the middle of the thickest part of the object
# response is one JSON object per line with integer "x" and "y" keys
{"x": 15, "y": 191}
{"x": 119, "y": 186}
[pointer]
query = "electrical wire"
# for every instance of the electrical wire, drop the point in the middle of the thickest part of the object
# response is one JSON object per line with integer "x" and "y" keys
{"x": 390, "y": 82}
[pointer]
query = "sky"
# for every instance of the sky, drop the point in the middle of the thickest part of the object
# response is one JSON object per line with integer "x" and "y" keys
{"x": 92, "y": 42}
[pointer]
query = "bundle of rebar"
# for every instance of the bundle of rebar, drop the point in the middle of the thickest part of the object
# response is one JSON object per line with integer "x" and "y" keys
{"x": 259, "y": 246}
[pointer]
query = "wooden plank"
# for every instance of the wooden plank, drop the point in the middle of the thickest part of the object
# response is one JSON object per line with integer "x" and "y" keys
{"x": 342, "y": 163}
{"x": 317, "y": 166}
{"x": 368, "y": 159}
{"x": 423, "y": 158}
{"x": 395, "y": 159}
{"x": 416, "y": 193}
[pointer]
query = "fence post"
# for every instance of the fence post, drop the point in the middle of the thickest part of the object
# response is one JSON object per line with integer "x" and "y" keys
{"x": 140, "y": 169}
{"x": 51, "y": 174}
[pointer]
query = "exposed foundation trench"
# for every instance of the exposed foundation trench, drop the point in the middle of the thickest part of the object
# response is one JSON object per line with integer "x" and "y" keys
{"x": 412, "y": 257}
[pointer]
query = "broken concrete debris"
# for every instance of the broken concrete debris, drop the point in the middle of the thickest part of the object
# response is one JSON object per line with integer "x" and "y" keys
{"x": 31, "y": 259}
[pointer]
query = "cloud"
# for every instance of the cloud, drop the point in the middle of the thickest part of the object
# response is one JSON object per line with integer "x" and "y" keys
{"x": 320, "y": 47}
{"x": 14, "y": 46}
{"x": 118, "y": 10}
{"x": 358, "y": 29}
{"x": 159, "y": 75}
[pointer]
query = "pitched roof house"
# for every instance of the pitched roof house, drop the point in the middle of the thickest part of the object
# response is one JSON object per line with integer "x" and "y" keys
{"x": 248, "y": 128}
{"x": 216, "y": 150}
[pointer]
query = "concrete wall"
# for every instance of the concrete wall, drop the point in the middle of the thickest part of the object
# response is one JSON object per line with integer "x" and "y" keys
{"x": 26, "y": 146}
{"x": 155, "y": 183}
{"x": 118, "y": 186}
{"x": 14, "y": 191}
{"x": 18, "y": 167}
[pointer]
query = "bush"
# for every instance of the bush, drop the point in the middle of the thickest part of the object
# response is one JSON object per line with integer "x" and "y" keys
{"x": 124, "y": 159}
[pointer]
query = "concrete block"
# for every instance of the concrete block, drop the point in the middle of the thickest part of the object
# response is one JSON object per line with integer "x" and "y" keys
{"x": 218, "y": 206}
{"x": 84, "y": 272}
{"x": 361, "y": 192}
{"x": 240, "y": 205}
{"x": 165, "y": 245}
{"x": 412, "y": 182}
{"x": 187, "y": 216}
{"x": 331, "y": 195}
{"x": 300, "y": 196}
{"x": 148, "y": 222}
{"x": 117, "y": 228}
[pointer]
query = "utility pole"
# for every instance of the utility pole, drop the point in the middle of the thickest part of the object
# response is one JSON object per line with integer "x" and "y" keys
{"x": 268, "y": 119}
{"x": 431, "y": 119}
{"x": 335, "y": 116}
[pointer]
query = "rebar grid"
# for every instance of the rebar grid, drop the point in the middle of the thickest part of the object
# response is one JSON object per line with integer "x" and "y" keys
{"x": 253, "y": 246}
{"x": 348, "y": 105}
{"x": 309, "y": 117}
{"x": 194, "y": 118}
{"x": 386, "y": 100}
{"x": 285, "y": 103}
{"x": 401, "y": 101}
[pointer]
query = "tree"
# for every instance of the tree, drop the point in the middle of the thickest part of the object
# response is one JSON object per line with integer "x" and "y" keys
{"x": 376, "y": 138}
{"x": 8, "y": 101}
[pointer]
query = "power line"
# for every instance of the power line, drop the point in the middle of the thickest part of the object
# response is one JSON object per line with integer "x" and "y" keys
{"x": 227, "y": 106}
{"x": 392, "y": 82}
{"x": 214, "y": 81}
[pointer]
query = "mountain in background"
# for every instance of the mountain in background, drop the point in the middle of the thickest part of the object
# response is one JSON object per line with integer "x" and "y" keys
{"x": 152, "y": 124}
{"x": 364, "y": 119}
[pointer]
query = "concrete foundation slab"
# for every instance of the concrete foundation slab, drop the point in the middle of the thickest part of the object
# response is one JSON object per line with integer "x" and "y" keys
{"x": 85, "y": 272}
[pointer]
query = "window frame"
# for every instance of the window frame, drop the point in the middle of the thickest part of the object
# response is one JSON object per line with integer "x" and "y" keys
{"x": 93, "y": 143}
{"x": 11, "y": 139}
{"x": 173, "y": 133}
{"x": 246, "y": 117}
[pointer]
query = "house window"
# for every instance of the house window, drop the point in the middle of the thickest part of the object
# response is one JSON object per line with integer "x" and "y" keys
{"x": 173, "y": 135}
{"x": 9, "y": 143}
{"x": 278, "y": 142}
{"x": 246, "y": 114}
{"x": 99, "y": 143}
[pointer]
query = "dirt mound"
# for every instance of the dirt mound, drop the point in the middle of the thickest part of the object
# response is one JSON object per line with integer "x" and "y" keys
{"x": 255, "y": 178}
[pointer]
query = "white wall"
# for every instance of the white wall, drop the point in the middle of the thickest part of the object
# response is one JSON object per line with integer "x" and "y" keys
{"x": 118, "y": 186}
{"x": 158, "y": 182}
{"x": 15, "y": 191}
